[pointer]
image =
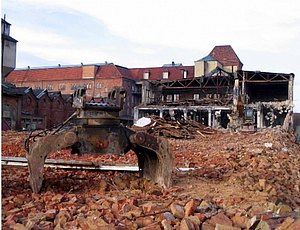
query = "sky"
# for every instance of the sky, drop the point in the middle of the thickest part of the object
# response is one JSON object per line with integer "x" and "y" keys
{"x": 265, "y": 34}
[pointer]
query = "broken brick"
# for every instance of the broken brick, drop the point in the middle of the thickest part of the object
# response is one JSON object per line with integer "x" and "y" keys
{"x": 177, "y": 210}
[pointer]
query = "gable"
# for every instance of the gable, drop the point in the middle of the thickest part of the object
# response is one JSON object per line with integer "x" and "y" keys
{"x": 226, "y": 55}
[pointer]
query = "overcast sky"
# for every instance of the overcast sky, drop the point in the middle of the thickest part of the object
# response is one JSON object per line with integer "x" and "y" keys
{"x": 265, "y": 34}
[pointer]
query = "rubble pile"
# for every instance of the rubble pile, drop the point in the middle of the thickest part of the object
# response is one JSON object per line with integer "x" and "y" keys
{"x": 173, "y": 128}
{"x": 234, "y": 181}
{"x": 82, "y": 200}
{"x": 266, "y": 162}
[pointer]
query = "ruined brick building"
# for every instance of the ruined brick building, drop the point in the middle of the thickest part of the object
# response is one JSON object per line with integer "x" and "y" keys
{"x": 25, "y": 108}
{"x": 208, "y": 91}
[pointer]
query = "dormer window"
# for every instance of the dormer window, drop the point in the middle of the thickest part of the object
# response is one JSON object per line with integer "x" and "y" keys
{"x": 146, "y": 75}
{"x": 184, "y": 73}
{"x": 61, "y": 86}
{"x": 49, "y": 87}
{"x": 165, "y": 75}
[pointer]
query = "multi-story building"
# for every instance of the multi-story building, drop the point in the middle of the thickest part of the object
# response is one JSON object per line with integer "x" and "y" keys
{"x": 207, "y": 92}
{"x": 98, "y": 79}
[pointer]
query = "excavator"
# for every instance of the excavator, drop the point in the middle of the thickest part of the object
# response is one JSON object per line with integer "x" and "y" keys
{"x": 95, "y": 128}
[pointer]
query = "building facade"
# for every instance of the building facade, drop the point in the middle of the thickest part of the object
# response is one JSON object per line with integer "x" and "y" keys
{"x": 209, "y": 92}
{"x": 98, "y": 79}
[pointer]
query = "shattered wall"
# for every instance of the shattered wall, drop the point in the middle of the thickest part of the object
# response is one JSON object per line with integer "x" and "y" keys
{"x": 271, "y": 96}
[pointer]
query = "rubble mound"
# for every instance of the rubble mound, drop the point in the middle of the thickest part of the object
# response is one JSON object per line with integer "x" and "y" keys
{"x": 231, "y": 181}
{"x": 186, "y": 129}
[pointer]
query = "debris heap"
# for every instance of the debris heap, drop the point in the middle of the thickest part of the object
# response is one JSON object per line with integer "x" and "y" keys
{"x": 187, "y": 129}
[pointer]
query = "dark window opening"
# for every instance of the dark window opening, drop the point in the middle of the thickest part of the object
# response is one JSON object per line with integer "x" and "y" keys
{"x": 265, "y": 92}
{"x": 200, "y": 116}
{"x": 148, "y": 113}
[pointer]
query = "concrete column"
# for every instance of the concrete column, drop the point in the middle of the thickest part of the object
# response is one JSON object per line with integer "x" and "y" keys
{"x": 290, "y": 90}
{"x": 185, "y": 114}
{"x": 135, "y": 114}
{"x": 209, "y": 117}
{"x": 259, "y": 118}
{"x": 160, "y": 113}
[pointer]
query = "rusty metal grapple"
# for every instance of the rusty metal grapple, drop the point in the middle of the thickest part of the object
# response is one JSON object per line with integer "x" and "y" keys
{"x": 96, "y": 129}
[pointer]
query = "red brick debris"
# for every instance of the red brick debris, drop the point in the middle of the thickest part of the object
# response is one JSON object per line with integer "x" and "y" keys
{"x": 239, "y": 181}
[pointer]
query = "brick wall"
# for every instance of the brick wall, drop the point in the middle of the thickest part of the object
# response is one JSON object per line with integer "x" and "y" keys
{"x": 11, "y": 112}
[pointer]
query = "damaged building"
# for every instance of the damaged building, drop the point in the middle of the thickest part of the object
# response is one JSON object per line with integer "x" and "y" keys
{"x": 215, "y": 91}
{"x": 220, "y": 94}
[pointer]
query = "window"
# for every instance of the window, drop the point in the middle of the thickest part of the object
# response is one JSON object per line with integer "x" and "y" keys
{"x": 169, "y": 98}
{"x": 98, "y": 85}
{"x": 105, "y": 89}
{"x": 165, "y": 75}
{"x": 37, "y": 87}
{"x": 184, "y": 73}
{"x": 87, "y": 85}
{"x": 196, "y": 96}
{"x": 176, "y": 97}
{"x": 49, "y": 87}
{"x": 61, "y": 87}
{"x": 146, "y": 75}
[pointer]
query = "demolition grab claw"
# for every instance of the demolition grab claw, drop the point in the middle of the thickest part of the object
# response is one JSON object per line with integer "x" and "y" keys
{"x": 97, "y": 130}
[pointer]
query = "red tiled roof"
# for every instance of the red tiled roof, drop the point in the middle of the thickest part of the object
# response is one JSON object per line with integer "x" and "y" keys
{"x": 156, "y": 73}
{"x": 102, "y": 71}
{"x": 226, "y": 55}
{"x": 60, "y": 73}
{"x": 112, "y": 70}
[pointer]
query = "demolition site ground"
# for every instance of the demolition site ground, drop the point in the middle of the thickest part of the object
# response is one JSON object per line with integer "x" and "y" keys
{"x": 235, "y": 181}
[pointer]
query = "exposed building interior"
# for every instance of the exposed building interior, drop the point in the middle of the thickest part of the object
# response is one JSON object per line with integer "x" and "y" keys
{"x": 221, "y": 96}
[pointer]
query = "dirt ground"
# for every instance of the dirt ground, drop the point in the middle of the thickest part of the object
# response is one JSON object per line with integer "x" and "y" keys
{"x": 238, "y": 175}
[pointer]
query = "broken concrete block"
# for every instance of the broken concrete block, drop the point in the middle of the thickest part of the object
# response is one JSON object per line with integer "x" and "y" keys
{"x": 195, "y": 220}
{"x": 144, "y": 221}
{"x": 295, "y": 225}
{"x": 262, "y": 183}
{"x": 283, "y": 208}
{"x": 207, "y": 226}
{"x": 239, "y": 220}
{"x": 50, "y": 214}
{"x": 177, "y": 210}
{"x": 186, "y": 224}
{"x": 285, "y": 224}
{"x": 190, "y": 208}
{"x": 220, "y": 218}
{"x": 226, "y": 227}
{"x": 262, "y": 225}
{"x": 166, "y": 225}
